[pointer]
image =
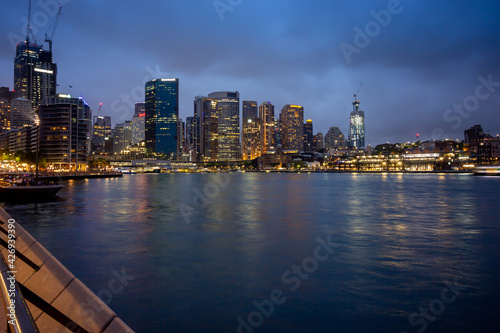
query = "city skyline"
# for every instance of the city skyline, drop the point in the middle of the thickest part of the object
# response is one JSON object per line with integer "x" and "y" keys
{"x": 409, "y": 87}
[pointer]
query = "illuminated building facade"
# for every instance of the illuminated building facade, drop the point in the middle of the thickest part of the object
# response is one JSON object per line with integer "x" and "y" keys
{"x": 228, "y": 105}
{"x": 101, "y": 134}
{"x": 162, "y": 114}
{"x": 319, "y": 141}
{"x": 209, "y": 120}
{"x": 65, "y": 128}
{"x": 21, "y": 113}
{"x": 35, "y": 75}
{"x": 308, "y": 135}
{"x": 6, "y": 96}
{"x": 140, "y": 108}
{"x": 292, "y": 127}
{"x": 266, "y": 113}
{"x": 138, "y": 125}
{"x": 357, "y": 126}
{"x": 250, "y": 110}
{"x": 122, "y": 137}
{"x": 334, "y": 138}
{"x": 252, "y": 146}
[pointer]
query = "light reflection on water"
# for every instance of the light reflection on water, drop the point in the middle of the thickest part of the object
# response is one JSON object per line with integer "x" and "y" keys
{"x": 401, "y": 236}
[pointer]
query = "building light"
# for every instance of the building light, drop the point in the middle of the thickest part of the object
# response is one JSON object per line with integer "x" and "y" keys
{"x": 40, "y": 70}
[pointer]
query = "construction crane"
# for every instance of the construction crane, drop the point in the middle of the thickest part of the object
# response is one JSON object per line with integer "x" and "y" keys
{"x": 29, "y": 32}
{"x": 356, "y": 93}
{"x": 53, "y": 26}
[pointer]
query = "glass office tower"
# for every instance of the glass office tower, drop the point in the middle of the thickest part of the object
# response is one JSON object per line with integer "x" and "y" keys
{"x": 162, "y": 114}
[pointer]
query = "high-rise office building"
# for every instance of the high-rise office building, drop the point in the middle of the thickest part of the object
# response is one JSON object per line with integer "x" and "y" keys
{"x": 308, "y": 135}
{"x": 206, "y": 138}
{"x": 334, "y": 138}
{"x": 190, "y": 130}
{"x": 101, "y": 134}
{"x": 162, "y": 114}
{"x": 140, "y": 108}
{"x": 292, "y": 127}
{"x": 4, "y": 115}
{"x": 65, "y": 129}
{"x": 21, "y": 113}
{"x": 250, "y": 110}
{"x": 357, "y": 126}
{"x": 138, "y": 125}
{"x": 319, "y": 141}
{"x": 35, "y": 74}
{"x": 122, "y": 137}
{"x": 228, "y": 105}
{"x": 266, "y": 113}
{"x": 251, "y": 144}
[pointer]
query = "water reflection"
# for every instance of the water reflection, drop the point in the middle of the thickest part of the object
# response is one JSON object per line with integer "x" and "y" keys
{"x": 401, "y": 235}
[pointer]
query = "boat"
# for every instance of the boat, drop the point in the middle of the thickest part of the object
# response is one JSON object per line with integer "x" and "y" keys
{"x": 488, "y": 170}
{"x": 13, "y": 192}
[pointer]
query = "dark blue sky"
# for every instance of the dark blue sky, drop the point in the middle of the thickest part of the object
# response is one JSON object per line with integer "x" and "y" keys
{"x": 414, "y": 65}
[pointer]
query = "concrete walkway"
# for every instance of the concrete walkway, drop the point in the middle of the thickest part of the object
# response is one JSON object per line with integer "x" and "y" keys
{"x": 57, "y": 300}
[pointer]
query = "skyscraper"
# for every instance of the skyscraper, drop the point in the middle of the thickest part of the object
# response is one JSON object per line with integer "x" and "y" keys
{"x": 252, "y": 138}
{"x": 140, "y": 108}
{"x": 334, "y": 138}
{"x": 122, "y": 137}
{"x": 101, "y": 133}
{"x": 249, "y": 110}
{"x": 292, "y": 127}
{"x": 138, "y": 127}
{"x": 308, "y": 135}
{"x": 208, "y": 111}
{"x": 228, "y": 105}
{"x": 65, "y": 128}
{"x": 21, "y": 113}
{"x": 266, "y": 113}
{"x": 162, "y": 113}
{"x": 319, "y": 141}
{"x": 35, "y": 75}
{"x": 357, "y": 126}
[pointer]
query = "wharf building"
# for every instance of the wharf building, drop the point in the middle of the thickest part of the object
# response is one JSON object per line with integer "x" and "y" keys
{"x": 484, "y": 148}
{"x": 161, "y": 118}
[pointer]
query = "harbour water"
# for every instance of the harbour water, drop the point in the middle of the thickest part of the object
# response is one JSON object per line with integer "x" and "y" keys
{"x": 335, "y": 252}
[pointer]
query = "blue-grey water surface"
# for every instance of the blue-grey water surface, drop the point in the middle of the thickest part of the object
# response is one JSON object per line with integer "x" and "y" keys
{"x": 199, "y": 261}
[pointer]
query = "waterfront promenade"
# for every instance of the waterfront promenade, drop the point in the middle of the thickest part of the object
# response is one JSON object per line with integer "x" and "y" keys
{"x": 56, "y": 299}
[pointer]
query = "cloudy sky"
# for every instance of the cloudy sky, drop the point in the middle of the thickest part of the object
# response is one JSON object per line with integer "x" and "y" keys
{"x": 428, "y": 67}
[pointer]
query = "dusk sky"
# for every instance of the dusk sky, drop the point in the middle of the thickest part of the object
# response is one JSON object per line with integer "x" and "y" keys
{"x": 416, "y": 59}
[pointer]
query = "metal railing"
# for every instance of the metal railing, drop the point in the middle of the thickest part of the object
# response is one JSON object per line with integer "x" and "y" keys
{"x": 18, "y": 315}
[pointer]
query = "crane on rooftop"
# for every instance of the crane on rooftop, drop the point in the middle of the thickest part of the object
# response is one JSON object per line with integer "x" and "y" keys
{"x": 356, "y": 93}
{"x": 48, "y": 38}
